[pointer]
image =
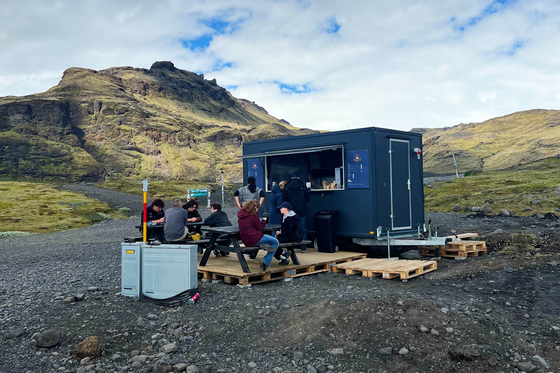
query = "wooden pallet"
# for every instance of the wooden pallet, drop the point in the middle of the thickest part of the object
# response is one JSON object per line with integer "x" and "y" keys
{"x": 227, "y": 268}
{"x": 386, "y": 268}
{"x": 456, "y": 249}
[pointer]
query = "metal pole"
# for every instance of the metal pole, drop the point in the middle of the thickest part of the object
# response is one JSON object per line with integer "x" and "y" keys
{"x": 222, "y": 177}
{"x": 145, "y": 220}
{"x": 388, "y": 245}
{"x": 455, "y": 166}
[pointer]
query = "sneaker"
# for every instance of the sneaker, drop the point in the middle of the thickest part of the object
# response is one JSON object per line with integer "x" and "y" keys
{"x": 304, "y": 251}
{"x": 263, "y": 266}
{"x": 284, "y": 262}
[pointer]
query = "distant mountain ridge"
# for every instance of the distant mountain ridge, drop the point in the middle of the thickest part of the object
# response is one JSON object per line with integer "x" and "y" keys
{"x": 498, "y": 143}
{"x": 161, "y": 122}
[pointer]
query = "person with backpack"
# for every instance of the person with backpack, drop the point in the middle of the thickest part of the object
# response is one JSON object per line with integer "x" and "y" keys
{"x": 290, "y": 231}
{"x": 250, "y": 192}
{"x": 296, "y": 192}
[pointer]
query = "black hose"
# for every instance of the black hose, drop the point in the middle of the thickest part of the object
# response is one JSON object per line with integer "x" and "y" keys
{"x": 173, "y": 301}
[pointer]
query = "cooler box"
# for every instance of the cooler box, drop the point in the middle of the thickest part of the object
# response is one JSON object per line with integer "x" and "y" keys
{"x": 168, "y": 270}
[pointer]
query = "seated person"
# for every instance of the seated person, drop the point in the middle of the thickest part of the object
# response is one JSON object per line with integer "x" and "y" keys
{"x": 194, "y": 215}
{"x": 155, "y": 215}
{"x": 251, "y": 231}
{"x": 217, "y": 218}
{"x": 175, "y": 219}
{"x": 290, "y": 231}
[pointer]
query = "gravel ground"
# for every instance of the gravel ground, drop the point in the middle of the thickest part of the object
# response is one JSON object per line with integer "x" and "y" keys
{"x": 487, "y": 314}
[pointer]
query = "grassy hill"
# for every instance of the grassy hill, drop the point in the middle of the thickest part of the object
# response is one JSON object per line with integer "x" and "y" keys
{"x": 525, "y": 190}
{"x": 495, "y": 144}
{"x": 159, "y": 123}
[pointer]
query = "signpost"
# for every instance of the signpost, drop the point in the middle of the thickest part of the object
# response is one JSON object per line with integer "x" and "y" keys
{"x": 199, "y": 193}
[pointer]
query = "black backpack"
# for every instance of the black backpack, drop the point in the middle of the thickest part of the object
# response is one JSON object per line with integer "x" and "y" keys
{"x": 298, "y": 232}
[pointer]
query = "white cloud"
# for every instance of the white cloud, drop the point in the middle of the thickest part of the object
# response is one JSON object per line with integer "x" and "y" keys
{"x": 399, "y": 64}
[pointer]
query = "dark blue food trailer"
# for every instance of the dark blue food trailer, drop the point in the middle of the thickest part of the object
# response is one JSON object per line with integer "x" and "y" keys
{"x": 372, "y": 176}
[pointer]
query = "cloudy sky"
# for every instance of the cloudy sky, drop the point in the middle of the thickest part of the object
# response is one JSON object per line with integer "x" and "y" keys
{"x": 318, "y": 64}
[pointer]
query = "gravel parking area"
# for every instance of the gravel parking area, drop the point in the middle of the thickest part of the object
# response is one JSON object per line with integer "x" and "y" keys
{"x": 487, "y": 314}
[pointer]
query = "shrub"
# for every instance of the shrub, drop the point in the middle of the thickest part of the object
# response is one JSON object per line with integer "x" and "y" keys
{"x": 13, "y": 234}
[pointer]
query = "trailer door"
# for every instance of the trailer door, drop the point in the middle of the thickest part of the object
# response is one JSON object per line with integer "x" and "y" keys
{"x": 401, "y": 207}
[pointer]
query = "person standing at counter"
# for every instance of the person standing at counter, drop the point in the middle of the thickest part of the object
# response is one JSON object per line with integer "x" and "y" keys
{"x": 297, "y": 194}
{"x": 276, "y": 199}
{"x": 250, "y": 192}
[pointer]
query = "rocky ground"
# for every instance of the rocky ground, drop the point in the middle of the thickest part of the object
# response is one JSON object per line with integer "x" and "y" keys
{"x": 498, "y": 313}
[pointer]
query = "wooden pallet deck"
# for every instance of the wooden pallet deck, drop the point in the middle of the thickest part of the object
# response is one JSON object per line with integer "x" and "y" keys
{"x": 228, "y": 268}
{"x": 457, "y": 249}
{"x": 386, "y": 268}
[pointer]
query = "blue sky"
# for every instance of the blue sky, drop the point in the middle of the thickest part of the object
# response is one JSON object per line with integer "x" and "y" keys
{"x": 318, "y": 64}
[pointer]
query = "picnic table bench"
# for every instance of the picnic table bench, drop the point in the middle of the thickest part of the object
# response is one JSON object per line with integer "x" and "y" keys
{"x": 234, "y": 239}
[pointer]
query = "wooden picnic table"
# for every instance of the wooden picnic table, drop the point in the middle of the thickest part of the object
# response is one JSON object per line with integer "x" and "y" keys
{"x": 233, "y": 245}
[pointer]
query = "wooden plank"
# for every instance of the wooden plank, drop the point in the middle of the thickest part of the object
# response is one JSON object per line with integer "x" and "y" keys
{"x": 463, "y": 235}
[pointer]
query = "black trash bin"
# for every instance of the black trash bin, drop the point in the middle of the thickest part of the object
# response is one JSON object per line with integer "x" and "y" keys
{"x": 326, "y": 223}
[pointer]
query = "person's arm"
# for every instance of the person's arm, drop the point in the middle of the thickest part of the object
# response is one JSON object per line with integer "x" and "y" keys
{"x": 211, "y": 219}
{"x": 236, "y": 197}
{"x": 306, "y": 193}
{"x": 263, "y": 223}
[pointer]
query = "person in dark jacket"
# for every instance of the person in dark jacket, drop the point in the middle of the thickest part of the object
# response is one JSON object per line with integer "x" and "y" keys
{"x": 155, "y": 215}
{"x": 217, "y": 218}
{"x": 289, "y": 232}
{"x": 251, "y": 231}
{"x": 274, "y": 215}
{"x": 297, "y": 194}
{"x": 194, "y": 215}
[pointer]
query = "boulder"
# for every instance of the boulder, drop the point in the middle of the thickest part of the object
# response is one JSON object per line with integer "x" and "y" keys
{"x": 89, "y": 347}
{"x": 486, "y": 208}
{"x": 457, "y": 207}
{"x": 504, "y": 212}
{"x": 48, "y": 339}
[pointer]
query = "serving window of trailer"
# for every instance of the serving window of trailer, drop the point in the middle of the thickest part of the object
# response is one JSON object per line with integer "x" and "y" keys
{"x": 321, "y": 168}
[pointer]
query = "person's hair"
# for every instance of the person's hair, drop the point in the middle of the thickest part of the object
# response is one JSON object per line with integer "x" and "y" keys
{"x": 251, "y": 183}
{"x": 177, "y": 202}
{"x": 216, "y": 206}
{"x": 158, "y": 202}
{"x": 252, "y": 207}
{"x": 282, "y": 184}
{"x": 191, "y": 203}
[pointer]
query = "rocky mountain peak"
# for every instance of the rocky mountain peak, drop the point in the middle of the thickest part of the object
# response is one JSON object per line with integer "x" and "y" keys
{"x": 161, "y": 122}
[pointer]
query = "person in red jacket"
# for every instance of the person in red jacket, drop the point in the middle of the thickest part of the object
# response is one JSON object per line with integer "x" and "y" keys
{"x": 251, "y": 231}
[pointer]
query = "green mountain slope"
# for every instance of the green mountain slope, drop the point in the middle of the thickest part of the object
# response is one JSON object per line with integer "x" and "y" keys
{"x": 161, "y": 123}
{"x": 495, "y": 144}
